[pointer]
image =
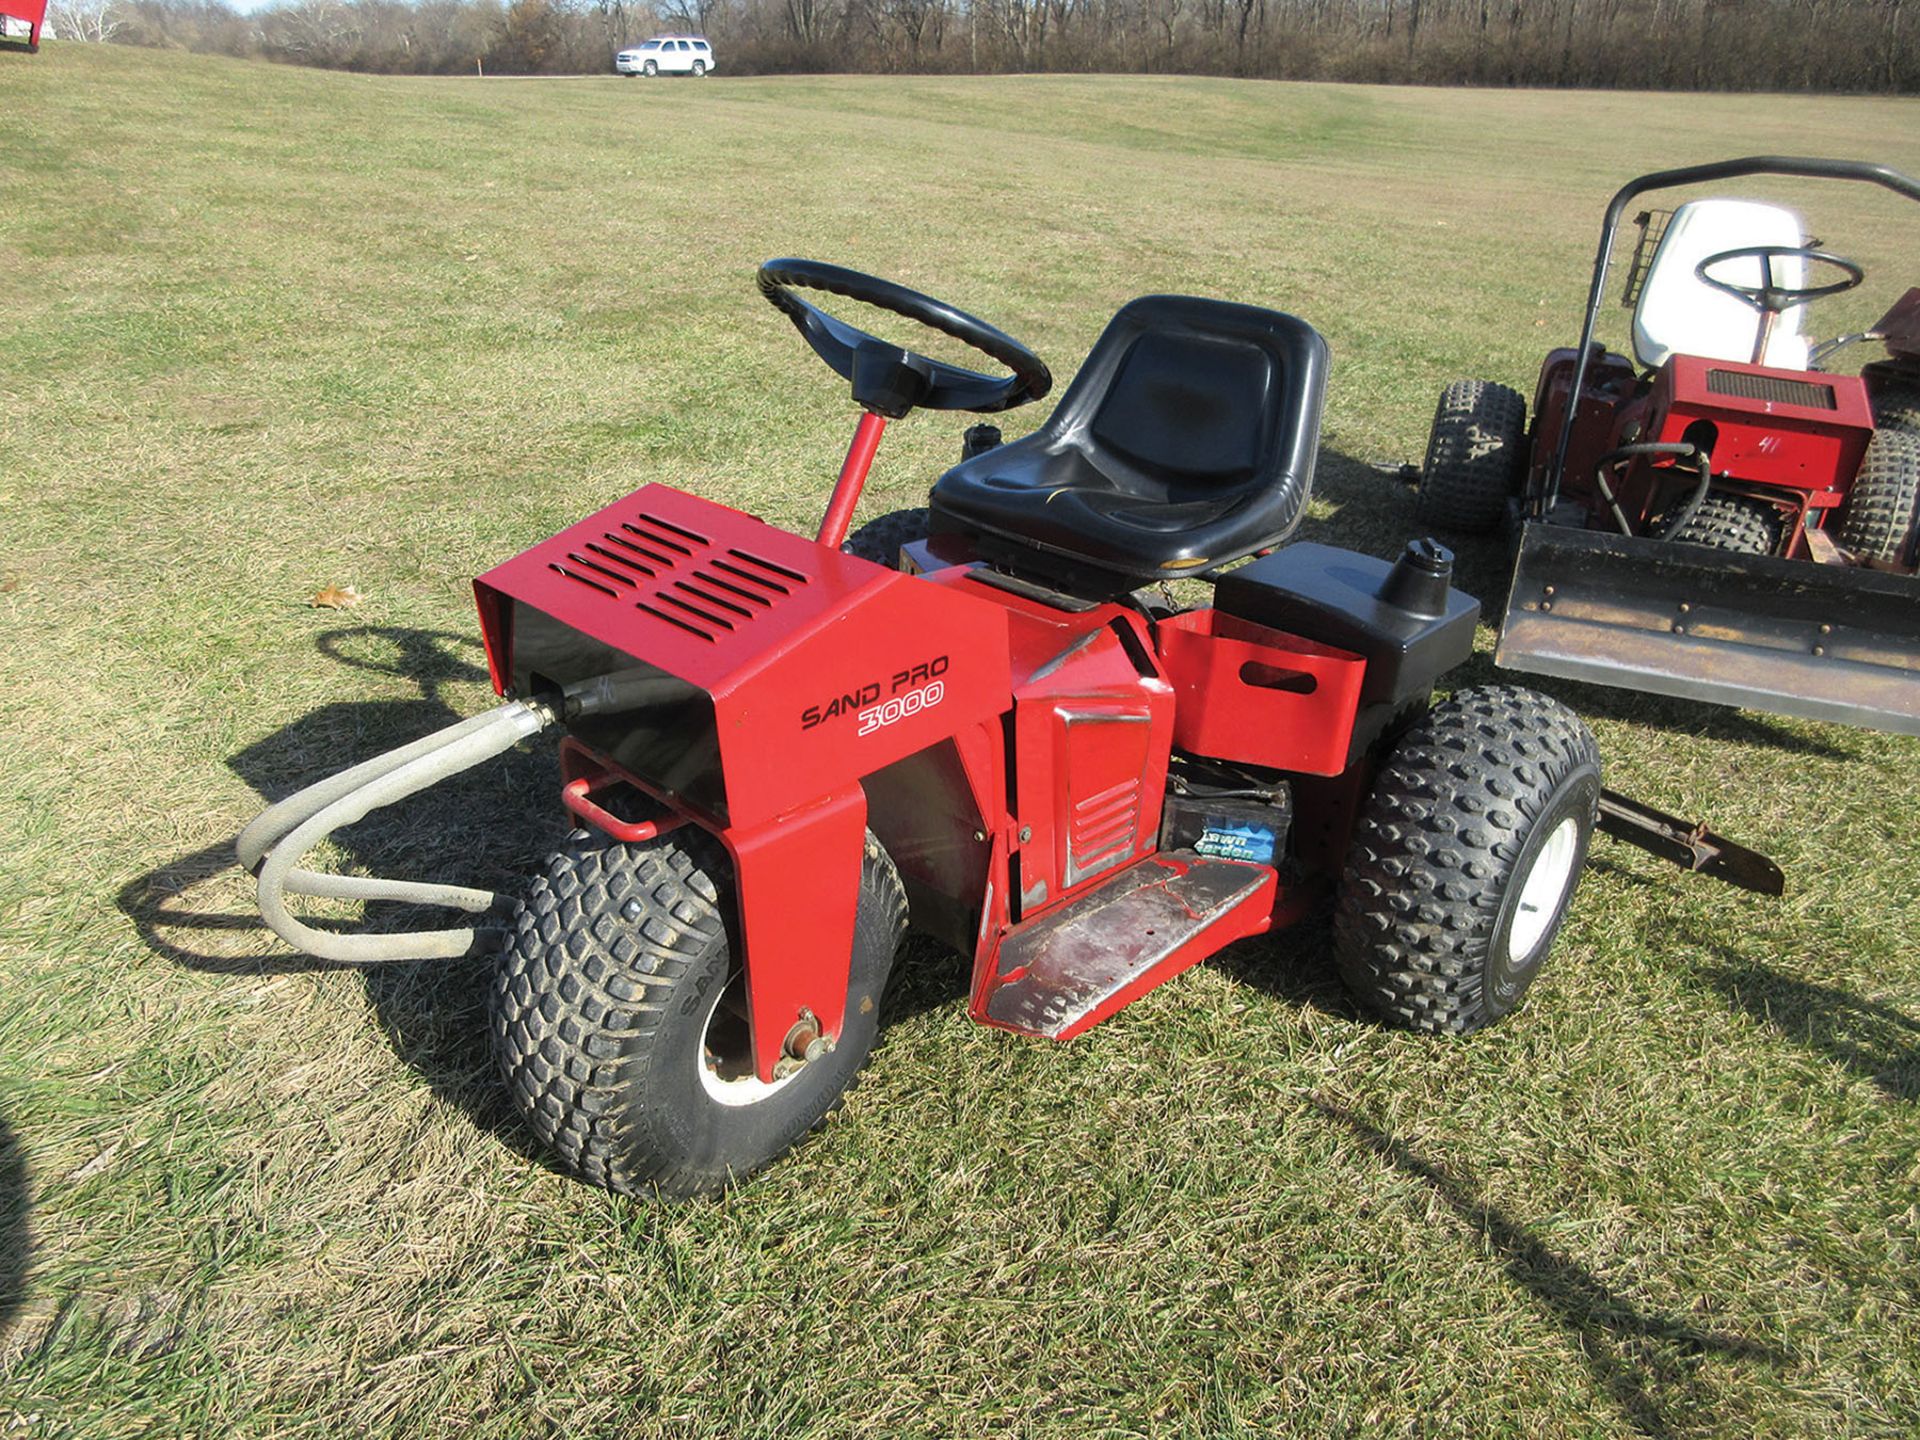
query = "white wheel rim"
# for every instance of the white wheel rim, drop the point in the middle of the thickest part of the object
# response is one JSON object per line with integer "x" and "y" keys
{"x": 728, "y": 1078}
{"x": 1543, "y": 889}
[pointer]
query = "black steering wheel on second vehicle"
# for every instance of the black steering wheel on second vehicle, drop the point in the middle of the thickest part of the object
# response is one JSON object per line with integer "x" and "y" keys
{"x": 1769, "y": 297}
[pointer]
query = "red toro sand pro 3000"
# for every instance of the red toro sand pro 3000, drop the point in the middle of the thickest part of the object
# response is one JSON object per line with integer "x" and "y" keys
{"x": 983, "y": 720}
{"x": 1717, "y": 516}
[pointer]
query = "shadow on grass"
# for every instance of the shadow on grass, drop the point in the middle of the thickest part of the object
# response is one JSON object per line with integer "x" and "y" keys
{"x": 476, "y": 829}
{"x": 1645, "y": 1361}
{"x": 1294, "y": 965}
{"x": 486, "y": 829}
{"x": 927, "y": 975}
{"x": 489, "y": 828}
{"x": 16, "y": 1240}
{"x": 1697, "y": 718}
{"x": 1371, "y": 510}
{"x": 1872, "y": 1039}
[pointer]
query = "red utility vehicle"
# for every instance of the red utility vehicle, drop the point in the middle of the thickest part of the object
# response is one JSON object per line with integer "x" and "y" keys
{"x": 32, "y": 14}
{"x": 986, "y": 721}
{"x": 1722, "y": 518}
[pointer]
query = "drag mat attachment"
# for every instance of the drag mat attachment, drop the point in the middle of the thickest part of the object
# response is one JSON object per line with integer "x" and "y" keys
{"x": 1822, "y": 642}
{"x": 1692, "y": 847}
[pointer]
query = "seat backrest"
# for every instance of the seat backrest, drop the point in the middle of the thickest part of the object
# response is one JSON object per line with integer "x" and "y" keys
{"x": 1680, "y": 314}
{"x": 1187, "y": 440}
{"x": 1193, "y": 395}
{"x": 1190, "y": 407}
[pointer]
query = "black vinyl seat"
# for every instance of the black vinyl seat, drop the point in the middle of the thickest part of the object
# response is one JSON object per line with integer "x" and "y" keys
{"x": 1187, "y": 440}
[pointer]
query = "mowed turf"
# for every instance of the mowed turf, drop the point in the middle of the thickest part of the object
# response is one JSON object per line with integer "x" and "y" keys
{"x": 268, "y": 330}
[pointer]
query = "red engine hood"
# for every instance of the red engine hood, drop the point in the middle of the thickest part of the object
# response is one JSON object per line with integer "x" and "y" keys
{"x": 765, "y": 669}
{"x": 1796, "y": 428}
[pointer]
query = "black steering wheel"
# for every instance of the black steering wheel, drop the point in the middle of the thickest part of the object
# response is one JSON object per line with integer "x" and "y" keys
{"x": 886, "y": 379}
{"x": 1769, "y": 298}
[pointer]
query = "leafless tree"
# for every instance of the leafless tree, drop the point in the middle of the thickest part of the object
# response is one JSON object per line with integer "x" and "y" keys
{"x": 316, "y": 32}
{"x": 96, "y": 21}
{"x": 1641, "y": 44}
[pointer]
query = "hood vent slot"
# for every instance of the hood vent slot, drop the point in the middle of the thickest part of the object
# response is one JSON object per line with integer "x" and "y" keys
{"x": 675, "y": 621}
{"x": 579, "y": 579}
{"x": 672, "y": 529}
{"x": 1773, "y": 389}
{"x": 676, "y": 575}
{"x": 766, "y": 571}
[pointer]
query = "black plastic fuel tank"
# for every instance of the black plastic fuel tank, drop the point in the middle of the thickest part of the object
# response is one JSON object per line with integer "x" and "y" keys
{"x": 1403, "y": 616}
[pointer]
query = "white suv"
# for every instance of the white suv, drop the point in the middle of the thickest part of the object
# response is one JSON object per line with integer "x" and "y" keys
{"x": 667, "y": 55}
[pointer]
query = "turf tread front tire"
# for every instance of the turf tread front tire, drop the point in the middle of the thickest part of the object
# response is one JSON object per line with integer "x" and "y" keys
{"x": 1884, "y": 504}
{"x": 1896, "y": 405}
{"x": 611, "y": 953}
{"x": 880, "y": 539}
{"x": 1730, "y": 522}
{"x": 1459, "y": 806}
{"x": 1474, "y": 455}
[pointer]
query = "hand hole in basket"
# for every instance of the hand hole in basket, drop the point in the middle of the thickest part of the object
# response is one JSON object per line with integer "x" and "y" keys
{"x": 1274, "y": 677}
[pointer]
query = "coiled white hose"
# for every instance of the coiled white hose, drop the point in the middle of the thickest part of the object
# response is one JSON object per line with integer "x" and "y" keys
{"x": 274, "y": 844}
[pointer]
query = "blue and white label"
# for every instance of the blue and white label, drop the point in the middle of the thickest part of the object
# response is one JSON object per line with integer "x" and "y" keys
{"x": 1236, "y": 840}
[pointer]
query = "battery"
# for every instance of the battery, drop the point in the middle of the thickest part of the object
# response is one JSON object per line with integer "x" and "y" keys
{"x": 1227, "y": 828}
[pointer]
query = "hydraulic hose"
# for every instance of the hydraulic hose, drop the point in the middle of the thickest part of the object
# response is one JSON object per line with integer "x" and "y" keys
{"x": 1678, "y": 449}
{"x": 280, "y": 838}
{"x": 278, "y": 819}
{"x": 1692, "y": 506}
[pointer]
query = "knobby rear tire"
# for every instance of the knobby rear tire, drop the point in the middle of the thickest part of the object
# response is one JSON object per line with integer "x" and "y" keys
{"x": 1485, "y": 806}
{"x": 1883, "y": 507}
{"x": 1476, "y": 452}
{"x": 1896, "y": 404}
{"x": 880, "y": 539}
{"x": 1730, "y": 522}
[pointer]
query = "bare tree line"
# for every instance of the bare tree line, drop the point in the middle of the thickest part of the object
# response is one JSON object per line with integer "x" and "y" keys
{"x": 1829, "y": 45}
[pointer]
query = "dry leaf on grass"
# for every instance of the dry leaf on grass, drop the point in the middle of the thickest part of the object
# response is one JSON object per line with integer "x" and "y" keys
{"x": 95, "y": 1165}
{"x": 336, "y": 597}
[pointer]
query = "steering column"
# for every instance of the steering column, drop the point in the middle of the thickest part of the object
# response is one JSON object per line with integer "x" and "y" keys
{"x": 887, "y": 380}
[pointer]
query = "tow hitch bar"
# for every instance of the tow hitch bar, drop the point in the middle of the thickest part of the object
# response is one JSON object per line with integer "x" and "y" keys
{"x": 1692, "y": 847}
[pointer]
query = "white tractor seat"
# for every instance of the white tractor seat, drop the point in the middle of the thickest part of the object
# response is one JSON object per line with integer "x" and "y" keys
{"x": 1680, "y": 314}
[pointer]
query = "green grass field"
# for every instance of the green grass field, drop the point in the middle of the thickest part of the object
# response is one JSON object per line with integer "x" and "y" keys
{"x": 267, "y": 330}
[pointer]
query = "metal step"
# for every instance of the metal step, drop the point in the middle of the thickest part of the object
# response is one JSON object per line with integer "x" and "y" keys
{"x": 1067, "y": 970}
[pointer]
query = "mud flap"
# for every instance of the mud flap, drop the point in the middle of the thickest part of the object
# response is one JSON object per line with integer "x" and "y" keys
{"x": 1823, "y": 642}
